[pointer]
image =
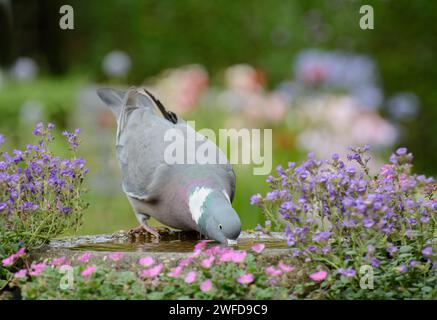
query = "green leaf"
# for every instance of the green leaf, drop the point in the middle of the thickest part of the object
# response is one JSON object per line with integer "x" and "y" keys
{"x": 426, "y": 289}
{"x": 405, "y": 249}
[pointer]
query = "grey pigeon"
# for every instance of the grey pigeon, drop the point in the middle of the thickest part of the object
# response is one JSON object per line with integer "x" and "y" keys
{"x": 182, "y": 196}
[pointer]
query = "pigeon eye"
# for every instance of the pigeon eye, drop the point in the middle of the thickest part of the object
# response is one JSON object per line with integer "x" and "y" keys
{"x": 220, "y": 226}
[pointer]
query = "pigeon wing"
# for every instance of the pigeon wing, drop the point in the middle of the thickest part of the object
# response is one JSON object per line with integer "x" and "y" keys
{"x": 141, "y": 154}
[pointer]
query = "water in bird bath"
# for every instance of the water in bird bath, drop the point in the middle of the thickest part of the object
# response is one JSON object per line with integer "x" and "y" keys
{"x": 177, "y": 242}
{"x": 172, "y": 246}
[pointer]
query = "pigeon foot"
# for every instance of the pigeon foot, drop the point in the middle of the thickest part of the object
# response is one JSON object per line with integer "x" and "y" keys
{"x": 144, "y": 227}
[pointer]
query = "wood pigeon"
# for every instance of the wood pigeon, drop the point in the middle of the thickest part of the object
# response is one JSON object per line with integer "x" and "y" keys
{"x": 187, "y": 196}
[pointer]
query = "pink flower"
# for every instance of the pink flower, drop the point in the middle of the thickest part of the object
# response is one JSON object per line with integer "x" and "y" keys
{"x": 205, "y": 286}
{"x": 37, "y": 269}
{"x": 387, "y": 171}
{"x": 213, "y": 250}
{"x": 21, "y": 274}
{"x": 200, "y": 245}
{"x": 245, "y": 278}
{"x": 185, "y": 262}
{"x": 146, "y": 261}
{"x": 319, "y": 276}
{"x": 208, "y": 262}
{"x": 8, "y": 261}
{"x": 271, "y": 271}
{"x": 195, "y": 254}
{"x": 20, "y": 252}
{"x": 190, "y": 277}
{"x": 226, "y": 256}
{"x": 88, "y": 271}
{"x": 285, "y": 267}
{"x": 58, "y": 261}
{"x": 259, "y": 247}
{"x": 175, "y": 272}
{"x": 65, "y": 267}
{"x": 153, "y": 271}
{"x": 116, "y": 256}
{"x": 85, "y": 257}
{"x": 239, "y": 256}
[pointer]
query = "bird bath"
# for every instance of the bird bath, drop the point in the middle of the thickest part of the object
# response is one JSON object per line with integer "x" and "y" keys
{"x": 173, "y": 245}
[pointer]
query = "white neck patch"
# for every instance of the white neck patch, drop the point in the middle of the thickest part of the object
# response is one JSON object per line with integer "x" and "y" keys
{"x": 196, "y": 201}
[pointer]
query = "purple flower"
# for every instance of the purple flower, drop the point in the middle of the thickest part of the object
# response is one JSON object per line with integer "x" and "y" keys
{"x": 368, "y": 223}
{"x": 271, "y": 196}
{"x": 349, "y": 272}
{"x": 375, "y": 262}
{"x": 38, "y": 131}
{"x": 29, "y": 206}
{"x": 401, "y": 151}
{"x": 321, "y": 236}
{"x": 3, "y": 206}
{"x": 391, "y": 250}
{"x": 280, "y": 170}
{"x": 2, "y": 139}
{"x": 66, "y": 210}
{"x": 349, "y": 223}
{"x": 402, "y": 268}
{"x": 427, "y": 251}
{"x": 255, "y": 199}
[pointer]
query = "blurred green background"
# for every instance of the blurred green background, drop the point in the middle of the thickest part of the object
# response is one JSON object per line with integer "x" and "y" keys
{"x": 239, "y": 64}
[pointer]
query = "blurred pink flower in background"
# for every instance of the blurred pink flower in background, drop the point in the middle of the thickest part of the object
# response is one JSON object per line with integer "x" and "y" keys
{"x": 181, "y": 88}
{"x": 244, "y": 77}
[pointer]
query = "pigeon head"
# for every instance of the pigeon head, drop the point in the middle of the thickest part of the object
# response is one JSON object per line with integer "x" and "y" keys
{"x": 212, "y": 211}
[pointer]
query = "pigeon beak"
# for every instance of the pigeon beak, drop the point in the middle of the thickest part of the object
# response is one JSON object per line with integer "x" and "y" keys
{"x": 231, "y": 242}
